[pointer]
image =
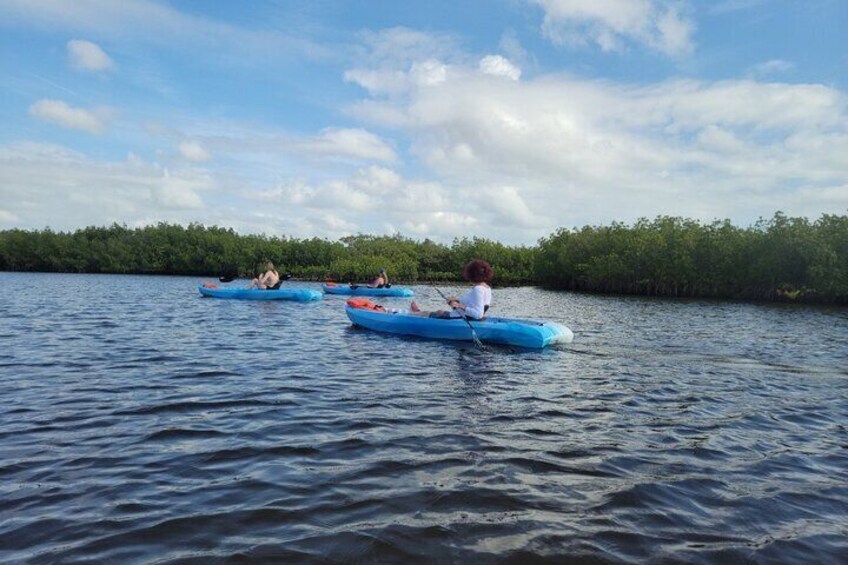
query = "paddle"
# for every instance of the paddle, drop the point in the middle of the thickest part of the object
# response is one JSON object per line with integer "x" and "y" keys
{"x": 474, "y": 337}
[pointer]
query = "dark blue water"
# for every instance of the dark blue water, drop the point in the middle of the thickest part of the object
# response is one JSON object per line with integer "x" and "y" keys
{"x": 141, "y": 423}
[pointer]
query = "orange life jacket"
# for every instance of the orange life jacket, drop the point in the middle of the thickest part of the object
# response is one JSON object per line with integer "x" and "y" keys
{"x": 364, "y": 304}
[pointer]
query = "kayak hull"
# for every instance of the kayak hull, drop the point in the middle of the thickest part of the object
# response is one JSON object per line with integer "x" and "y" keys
{"x": 504, "y": 331}
{"x": 297, "y": 294}
{"x": 343, "y": 289}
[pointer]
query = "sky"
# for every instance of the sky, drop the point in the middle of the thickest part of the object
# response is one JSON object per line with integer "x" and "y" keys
{"x": 503, "y": 119}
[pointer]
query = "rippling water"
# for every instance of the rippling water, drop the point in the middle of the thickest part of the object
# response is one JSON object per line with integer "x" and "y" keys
{"x": 142, "y": 423}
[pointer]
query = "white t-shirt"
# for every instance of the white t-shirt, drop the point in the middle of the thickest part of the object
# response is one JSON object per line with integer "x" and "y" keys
{"x": 475, "y": 302}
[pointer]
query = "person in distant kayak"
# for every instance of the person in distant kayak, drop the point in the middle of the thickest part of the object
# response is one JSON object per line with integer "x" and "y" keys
{"x": 270, "y": 280}
{"x": 474, "y": 303}
{"x": 380, "y": 281}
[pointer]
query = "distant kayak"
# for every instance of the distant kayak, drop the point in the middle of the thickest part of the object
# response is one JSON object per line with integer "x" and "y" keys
{"x": 366, "y": 290}
{"x": 299, "y": 294}
{"x": 505, "y": 331}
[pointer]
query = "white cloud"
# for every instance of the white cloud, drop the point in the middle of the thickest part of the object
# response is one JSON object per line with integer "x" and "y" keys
{"x": 772, "y": 67}
{"x": 428, "y": 73}
{"x": 611, "y": 24}
{"x": 45, "y": 184}
{"x": 511, "y": 47}
{"x": 534, "y": 155}
{"x": 378, "y": 80}
{"x": 397, "y": 60}
{"x": 194, "y": 151}
{"x": 356, "y": 143}
{"x": 58, "y": 112}
{"x": 499, "y": 66}
{"x": 87, "y": 56}
{"x": 507, "y": 202}
{"x": 178, "y": 192}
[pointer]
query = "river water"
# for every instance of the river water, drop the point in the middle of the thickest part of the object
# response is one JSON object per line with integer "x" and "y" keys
{"x": 142, "y": 423}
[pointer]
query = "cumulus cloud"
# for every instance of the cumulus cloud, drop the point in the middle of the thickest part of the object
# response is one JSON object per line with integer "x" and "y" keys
{"x": 58, "y": 112}
{"x": 87, "y": 56}
{"x": 194, "y": 151}
{"x": 66, "y": 189}
{"x": 429, "y": 72}
{"x": 499, "y": 66}
{"x": 556, "y": 149}
{"x": 612, "y": 24}
{"x": 375, "y": 197}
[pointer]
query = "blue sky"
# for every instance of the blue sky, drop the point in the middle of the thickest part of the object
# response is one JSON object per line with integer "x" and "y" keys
{"x": 441, "y": 119}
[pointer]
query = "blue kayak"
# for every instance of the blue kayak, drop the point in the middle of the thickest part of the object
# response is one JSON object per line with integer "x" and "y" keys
{"x": 367, "y": 291}
{"x": 506, "y": 331}
{"x": 300, "y": 294}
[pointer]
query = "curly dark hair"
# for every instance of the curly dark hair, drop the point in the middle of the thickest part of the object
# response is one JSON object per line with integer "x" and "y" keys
{"x": 478, "y": 271}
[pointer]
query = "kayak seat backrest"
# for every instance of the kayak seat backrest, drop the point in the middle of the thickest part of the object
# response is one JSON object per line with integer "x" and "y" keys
{"x": 276, "y": 286}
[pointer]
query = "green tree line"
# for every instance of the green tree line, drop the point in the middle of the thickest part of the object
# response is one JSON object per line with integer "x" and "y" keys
{"x": 781, "y": 258}
{"x": 777, "y": 259}
{"x": 210, "y": 251}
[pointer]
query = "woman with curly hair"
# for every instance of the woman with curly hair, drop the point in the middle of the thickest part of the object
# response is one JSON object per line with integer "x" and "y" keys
{"x": 474, "y": 303}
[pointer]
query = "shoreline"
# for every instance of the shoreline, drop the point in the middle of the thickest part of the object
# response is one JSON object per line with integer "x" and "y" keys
{"x": 799, "y": 299}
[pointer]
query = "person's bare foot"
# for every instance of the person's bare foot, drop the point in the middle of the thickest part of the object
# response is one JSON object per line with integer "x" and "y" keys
{"x": 413, "y": 307}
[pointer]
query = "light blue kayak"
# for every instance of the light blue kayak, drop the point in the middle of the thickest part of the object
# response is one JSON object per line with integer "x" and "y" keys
{"x": 300, "y": 294}
{"x": 346, "y": 290}
{"x": 506, "y": 331}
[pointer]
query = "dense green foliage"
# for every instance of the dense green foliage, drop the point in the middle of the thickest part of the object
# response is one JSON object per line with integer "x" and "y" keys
{"x": 780, "y": 258}
{"x": 199, "y": 250}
